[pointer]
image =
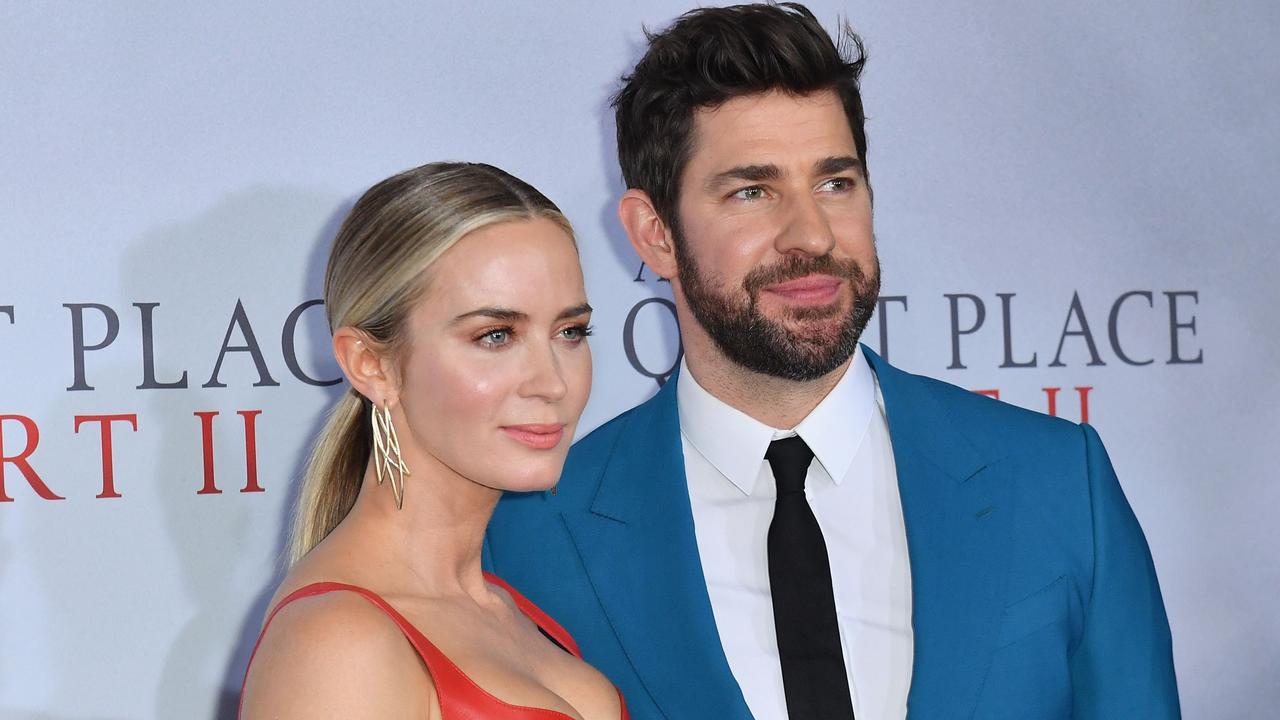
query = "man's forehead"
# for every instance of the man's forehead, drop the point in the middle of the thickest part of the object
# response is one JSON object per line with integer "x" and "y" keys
{"x": 771, "y": 128}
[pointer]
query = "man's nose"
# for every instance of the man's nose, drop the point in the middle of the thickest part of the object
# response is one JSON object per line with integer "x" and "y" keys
{"x": 807, "y": 229}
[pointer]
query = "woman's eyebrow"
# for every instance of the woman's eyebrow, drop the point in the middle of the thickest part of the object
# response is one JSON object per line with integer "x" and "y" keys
{"x": 497, "y": 313}
{"x": 511, "y": 315}
{"x": 574, "y": 311}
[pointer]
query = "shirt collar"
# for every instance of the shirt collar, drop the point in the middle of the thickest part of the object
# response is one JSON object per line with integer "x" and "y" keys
{"x": 835, "y": 428}
{"x": 735, "y": 443}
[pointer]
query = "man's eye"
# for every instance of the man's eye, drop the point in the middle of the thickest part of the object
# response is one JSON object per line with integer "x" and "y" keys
{"x": 838, "y": 184}
{"x": 749, "y": 193}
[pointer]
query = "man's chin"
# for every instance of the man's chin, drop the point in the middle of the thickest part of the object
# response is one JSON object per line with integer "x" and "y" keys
{"x": 824, "y": 325}
{"x": 787, "y": 313}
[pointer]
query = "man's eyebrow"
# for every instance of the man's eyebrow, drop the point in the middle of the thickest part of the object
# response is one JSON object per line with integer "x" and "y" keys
{"x": 837, "y": 164}
{"x": 497, "y": 313}
{"x": 574, "y": 311}
{"x": 747, "y": 173}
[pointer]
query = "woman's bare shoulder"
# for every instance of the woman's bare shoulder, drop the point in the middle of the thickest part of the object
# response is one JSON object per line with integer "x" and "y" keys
{"x": 336, "y": 654}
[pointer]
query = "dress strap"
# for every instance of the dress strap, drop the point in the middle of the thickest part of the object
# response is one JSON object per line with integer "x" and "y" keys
{"x": 550, "y": 628}
{"x": 458, "y": 694}
{"x": 544, "y": 621}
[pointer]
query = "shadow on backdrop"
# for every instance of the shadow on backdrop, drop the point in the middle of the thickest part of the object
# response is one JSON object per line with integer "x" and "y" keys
{"x": 210, "y": 534}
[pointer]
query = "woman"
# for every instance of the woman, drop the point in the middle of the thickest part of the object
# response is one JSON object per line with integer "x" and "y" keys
{"x": 460, "y": 319}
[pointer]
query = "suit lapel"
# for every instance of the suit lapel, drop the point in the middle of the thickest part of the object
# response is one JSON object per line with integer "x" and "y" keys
{"x": 638, "y": 547}
{"x": 958, "y": 514}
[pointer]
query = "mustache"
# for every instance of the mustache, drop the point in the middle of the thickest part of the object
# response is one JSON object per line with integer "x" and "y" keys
{"x": 797, "y": 266}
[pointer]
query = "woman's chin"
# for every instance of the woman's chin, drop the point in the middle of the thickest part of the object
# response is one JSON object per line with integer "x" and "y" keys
{"x": 538, "y": 485}
{"x": 532, "y": 483}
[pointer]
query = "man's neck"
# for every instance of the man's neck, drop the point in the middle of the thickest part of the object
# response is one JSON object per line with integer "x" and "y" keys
{"x": 776, "y": 402}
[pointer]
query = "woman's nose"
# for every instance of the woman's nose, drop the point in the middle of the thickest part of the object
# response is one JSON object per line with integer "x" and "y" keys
{"x": 544, "y": 376}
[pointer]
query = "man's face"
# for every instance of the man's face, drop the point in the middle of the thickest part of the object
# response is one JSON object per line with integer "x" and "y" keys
{"x": 776, "y": 257}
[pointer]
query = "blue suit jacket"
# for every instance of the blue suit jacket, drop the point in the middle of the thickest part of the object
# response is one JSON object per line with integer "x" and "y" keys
{"x": 1034, "y": 594}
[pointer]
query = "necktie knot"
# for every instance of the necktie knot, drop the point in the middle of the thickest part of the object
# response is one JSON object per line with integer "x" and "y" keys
{"x": 789, "y": 458}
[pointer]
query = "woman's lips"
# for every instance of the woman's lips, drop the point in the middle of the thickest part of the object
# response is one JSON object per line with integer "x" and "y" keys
{"x": 808, "y": 290}
{"x": 538, "y": 437}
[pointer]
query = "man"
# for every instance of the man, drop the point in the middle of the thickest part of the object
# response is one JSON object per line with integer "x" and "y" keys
{"x": 791, "y": 527}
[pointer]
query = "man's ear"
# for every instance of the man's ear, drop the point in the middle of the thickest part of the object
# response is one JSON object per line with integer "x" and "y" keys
{"x": 366, "y": 365}
{"x": 649, "y": 235}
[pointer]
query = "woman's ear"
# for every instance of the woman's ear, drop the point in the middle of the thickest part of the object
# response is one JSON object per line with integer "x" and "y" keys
{"x": 649, "y": 235}
{"x": 366, "y": 365}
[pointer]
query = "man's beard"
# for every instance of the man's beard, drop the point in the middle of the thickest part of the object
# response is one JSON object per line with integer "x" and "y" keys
{"x": 760, "y": 344}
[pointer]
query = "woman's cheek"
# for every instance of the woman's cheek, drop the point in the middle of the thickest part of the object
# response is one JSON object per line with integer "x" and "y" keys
{"x": 447, "y": 395}
{"x": 470, "y": 397}
{"x": 582, "y": 387}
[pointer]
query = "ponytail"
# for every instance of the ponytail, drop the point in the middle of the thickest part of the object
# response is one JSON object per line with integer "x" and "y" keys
{"x": 333, "y": 476}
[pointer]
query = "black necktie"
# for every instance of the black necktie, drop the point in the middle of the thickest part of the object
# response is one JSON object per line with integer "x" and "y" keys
{"x": 804, "y": 608}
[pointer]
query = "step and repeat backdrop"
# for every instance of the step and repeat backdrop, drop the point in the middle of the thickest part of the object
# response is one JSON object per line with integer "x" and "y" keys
{"x": 1075, "y": 213}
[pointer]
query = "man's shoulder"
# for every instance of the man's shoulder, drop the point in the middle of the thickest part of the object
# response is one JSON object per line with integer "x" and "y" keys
{"x": 596, "y": 445}
{"x": 988, "y": 409}
{"x": 590, "y": 455}
{"x": 989, "y": 421}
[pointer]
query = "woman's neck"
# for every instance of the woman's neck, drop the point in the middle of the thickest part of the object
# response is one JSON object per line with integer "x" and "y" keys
{"x": 433, "y": 542}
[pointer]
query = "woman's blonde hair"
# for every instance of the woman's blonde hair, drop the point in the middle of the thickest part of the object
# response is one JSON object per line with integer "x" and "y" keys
{"x": 376, "y": 272}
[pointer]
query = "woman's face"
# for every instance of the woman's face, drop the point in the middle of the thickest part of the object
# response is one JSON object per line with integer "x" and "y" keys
{"x": 497, "y": 369}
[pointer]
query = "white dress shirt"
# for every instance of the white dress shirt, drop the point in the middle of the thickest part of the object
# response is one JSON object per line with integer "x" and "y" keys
{"x": 853, "y": 490}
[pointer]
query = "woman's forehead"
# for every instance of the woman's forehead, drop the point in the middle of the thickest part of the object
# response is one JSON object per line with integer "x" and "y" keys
{"x": 526, "y": 265}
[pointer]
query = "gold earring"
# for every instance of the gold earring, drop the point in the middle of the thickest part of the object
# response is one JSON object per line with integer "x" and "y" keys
{"x": 386, "y": 453}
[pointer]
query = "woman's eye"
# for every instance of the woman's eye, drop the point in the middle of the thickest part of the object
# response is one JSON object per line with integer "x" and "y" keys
{"x": 576, "y": 333}
{"x": 500, "y": 336}
{"x": 749, "y": 193}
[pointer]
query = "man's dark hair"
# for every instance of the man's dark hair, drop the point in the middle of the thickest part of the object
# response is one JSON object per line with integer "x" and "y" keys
{"x": 711, "y": 55}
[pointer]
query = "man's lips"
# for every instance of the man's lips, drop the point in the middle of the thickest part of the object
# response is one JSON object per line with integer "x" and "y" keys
{"x": 537, "y": 436}
{"x": 808, "y": 290}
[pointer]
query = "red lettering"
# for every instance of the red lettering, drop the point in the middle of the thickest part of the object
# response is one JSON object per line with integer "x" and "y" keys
{"x": 206, "y": 435}
{"x": 1083, "y": 392}
{"x": 989, "y": 393}
{"x": 20, "y": 460}
{"x": 1051, "y": 395}
{"x": 108, "y": 470}
{"x": 250, "y": 450}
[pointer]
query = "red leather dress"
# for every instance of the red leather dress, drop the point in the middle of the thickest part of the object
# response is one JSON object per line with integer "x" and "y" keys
{"x": 460, "y": 697}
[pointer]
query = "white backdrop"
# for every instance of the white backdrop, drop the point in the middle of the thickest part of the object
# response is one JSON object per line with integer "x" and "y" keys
{"x": 172, "y": 174}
